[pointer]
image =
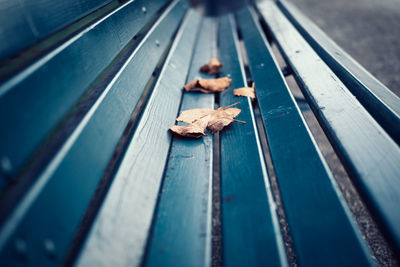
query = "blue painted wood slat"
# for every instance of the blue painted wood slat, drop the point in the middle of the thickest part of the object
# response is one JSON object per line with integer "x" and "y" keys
{"x": 370, "y": 156}
{"x": 51, "y": 86}
{"x": 383, "y": 104}
{"x": 25, "y": 22}
{"x": 250, "y": 228}
{"x": 123, "y": 223}
{"x": 56, "y": 203}
{"x": 182, "y": 225}
{"x": 322, "y": 229}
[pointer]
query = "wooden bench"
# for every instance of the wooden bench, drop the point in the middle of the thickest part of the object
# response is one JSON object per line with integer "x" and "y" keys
{"x": 91, "y": 176}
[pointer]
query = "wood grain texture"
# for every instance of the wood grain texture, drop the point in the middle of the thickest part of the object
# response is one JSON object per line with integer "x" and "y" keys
{"x": 25, "y": 22}
{"x": 250, "y": 229}
{"x": 322, "y": 230}
{"x": 16, "y": 28}
{"x": 383, "y": 105}
{"x": 371, "y": 157}
{"x": 57, "y": 202}
{"x": 51, "y": 86}
{"x": 122, "y": 225}
{"x": 182, "y": 223}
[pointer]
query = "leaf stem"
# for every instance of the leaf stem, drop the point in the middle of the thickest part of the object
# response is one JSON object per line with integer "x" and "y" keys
{"x": 239, "y": 121}
{"x": 231, "y": 105}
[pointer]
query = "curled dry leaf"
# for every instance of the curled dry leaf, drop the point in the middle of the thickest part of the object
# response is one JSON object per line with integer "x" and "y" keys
{"x": 212, "y": 67}
{"x": 191, "y": 115}
{"x": 209, "y": 85}
{"x": 221, "y": 118}
{"x": 199, "y": 119}
{"x": 245, "y": 91}
{"x": 195, "y": 129}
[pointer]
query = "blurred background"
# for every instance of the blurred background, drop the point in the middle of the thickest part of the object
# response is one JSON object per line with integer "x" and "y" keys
{"x": 369, "y": 30}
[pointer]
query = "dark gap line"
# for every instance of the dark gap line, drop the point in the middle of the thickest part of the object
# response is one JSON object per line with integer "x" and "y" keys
{"x": 114, "y": 163}
{"x": 239, "y": 34}
{"x": 217, "y": 246}
{"x": 216, "y": 204}
{"x": 286, "y": 71}
{"x": 249, "y": 80}
{"x": 264, "y": 27}
{"x": 366, "y": 224}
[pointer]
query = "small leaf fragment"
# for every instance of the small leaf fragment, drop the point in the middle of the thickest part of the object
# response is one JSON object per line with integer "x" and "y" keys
{"x": 209, "y": 85}
{"x": 245, "y": 91}
{"x": 212, "y": 67}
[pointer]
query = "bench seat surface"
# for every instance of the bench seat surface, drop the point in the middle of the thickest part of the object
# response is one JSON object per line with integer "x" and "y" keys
{"x": 91, "y": 176}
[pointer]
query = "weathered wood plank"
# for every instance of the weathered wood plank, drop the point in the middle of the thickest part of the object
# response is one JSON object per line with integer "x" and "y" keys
{"x": 250, "y": 228}
{"x": 117, "y": 230}
{"x": 25, "y": 22}
{"x": 323, "y": 232}
{"x": 48, "y": 88}
{"x": 182, "y": 225}
{"x": 57, "y": 202}
{"x": 383, "y": 104}
{"x": 371, "y": 157}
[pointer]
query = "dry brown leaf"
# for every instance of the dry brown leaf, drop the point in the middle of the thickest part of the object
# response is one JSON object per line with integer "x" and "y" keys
{"x": 245, "y": 91}
{"x": 213, "y": 120}
{"x": 195, "y": 129}
{"x": 209, "y": 85}
{"x": 191, "y": 85}
{"x": 221, "y": 118}
{"x": 191, "y": 115}
{"x": 212, "y": 67}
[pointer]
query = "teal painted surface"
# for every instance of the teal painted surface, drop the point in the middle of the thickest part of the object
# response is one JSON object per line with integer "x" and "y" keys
{"x": 383, "y": 105}
{"x": 123, "y": 223}
{"x": 25, "y": 22}
{"x": 182, "y": 224}
{"x": 322, "y": 230}
{"x": 250, "y": 229}
{"x": 368, "y": 153}
{"x": 56, "y": 203}
{"x": 50, "y": 87}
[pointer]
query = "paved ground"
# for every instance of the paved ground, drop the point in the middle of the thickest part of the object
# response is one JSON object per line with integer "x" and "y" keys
{"x": 369, "y": 30}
